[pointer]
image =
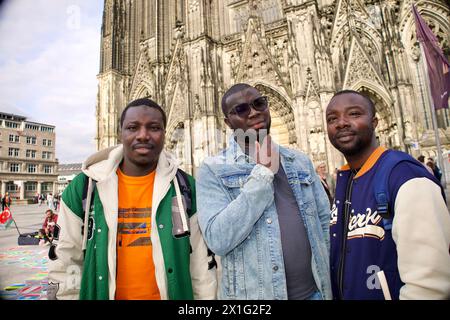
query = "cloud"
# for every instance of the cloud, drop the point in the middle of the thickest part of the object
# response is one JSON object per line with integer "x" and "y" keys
{"x": 53, "y": 76}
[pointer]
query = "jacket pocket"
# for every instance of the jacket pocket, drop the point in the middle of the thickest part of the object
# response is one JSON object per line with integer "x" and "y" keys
{"x": 234, "y": 181}
{"x": 305, "y": 178}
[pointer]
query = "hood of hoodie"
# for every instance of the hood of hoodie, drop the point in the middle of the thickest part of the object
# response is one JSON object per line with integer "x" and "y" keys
{"x": 104, "y": 163}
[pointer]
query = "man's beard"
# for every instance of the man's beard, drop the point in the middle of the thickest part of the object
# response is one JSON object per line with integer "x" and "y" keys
{"x": 361, "y": 144}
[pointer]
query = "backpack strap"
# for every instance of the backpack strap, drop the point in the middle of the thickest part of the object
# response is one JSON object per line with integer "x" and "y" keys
{"x": 186, "y": 192}
{"x": 185, "y": 189}
{"x": 181, "y": 205}
{"x": 381, "y": 180}
{"x": 88, "y": 196}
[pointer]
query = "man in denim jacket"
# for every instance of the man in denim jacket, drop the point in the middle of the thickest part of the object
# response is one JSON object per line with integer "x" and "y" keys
{"x": 269, "y": 223}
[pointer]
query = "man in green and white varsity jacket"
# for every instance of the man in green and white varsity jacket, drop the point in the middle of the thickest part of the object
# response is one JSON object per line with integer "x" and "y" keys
{"x": 83, "y": 265}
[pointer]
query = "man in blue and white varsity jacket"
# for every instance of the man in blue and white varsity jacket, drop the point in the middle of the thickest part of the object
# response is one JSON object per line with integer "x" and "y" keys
{"x": 401, "y": 255}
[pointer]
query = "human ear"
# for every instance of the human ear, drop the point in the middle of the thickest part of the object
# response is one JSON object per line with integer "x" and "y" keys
{"x": 374, "y": 121}
{"x": 227, "y": 122}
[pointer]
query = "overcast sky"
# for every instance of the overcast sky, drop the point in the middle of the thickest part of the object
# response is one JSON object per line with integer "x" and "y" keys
{"x": 49, "y": 60}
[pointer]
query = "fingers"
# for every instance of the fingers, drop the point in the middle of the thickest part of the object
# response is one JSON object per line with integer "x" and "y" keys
{"x": 267, "y": 154}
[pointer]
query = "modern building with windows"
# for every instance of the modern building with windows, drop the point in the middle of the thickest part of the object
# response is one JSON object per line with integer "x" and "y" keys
{"x": 27, "y": 157}
{"x": 66, "y": 173}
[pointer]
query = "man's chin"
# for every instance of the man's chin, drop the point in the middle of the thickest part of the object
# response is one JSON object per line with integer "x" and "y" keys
{"x": 347, "y": 150}
{"x": 142, "y": 160}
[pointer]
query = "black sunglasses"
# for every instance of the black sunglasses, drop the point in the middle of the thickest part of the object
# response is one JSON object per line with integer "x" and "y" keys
{"x": 243, "y": 109}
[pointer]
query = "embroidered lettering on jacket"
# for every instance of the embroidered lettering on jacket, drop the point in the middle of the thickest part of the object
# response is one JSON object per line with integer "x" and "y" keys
{"x": 365, "y": 225}
{"x": 334, "y": 214}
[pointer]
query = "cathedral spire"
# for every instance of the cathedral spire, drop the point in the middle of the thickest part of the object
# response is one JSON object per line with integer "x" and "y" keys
{"x": 111, "y": 56}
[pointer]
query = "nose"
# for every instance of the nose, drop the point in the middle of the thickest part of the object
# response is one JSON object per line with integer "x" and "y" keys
{"x": 143, "y": 134}
{"x": 341, "y": 122}
{"x": 253, "y": 111}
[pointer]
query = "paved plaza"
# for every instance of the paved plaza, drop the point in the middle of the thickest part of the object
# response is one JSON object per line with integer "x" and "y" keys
{"x": 23, "y": 269}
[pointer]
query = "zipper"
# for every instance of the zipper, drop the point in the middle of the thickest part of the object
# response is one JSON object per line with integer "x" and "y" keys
{"x": 347, "y": 204}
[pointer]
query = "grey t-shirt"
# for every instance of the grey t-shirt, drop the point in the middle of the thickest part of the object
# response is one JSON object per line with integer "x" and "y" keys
{"x": 294, "y": 240}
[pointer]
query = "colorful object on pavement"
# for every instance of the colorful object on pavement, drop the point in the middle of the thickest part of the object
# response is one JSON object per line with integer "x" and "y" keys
{"x": 30, "y": 290}
{"x": 34, "y": 260}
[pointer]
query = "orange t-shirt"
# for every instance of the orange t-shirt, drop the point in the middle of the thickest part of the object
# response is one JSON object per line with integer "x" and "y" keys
{"x": 135, "y": 269}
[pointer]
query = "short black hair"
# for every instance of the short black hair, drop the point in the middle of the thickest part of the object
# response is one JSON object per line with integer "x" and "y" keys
{"x": 369, "y": 101}
{"x": 143, "y": 102}
{"x": 233, "y": 89}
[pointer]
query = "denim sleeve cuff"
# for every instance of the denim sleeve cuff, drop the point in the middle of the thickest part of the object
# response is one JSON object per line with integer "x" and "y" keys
{"x": 260, "y": 172}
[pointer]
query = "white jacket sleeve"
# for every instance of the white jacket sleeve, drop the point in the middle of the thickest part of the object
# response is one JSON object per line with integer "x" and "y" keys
{"x": 204, "y": 281}
{"x": 421, "y": 231}
{"x": 64, "y": 272}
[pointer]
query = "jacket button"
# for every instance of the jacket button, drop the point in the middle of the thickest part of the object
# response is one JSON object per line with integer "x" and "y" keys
{"x": 334, "y": 235}
{"x": 170, "y": 270}
{"x": 337, "y": 201}
{"x": 161, "y": 226}
{"x": 100, "y": 278}
{"x": 269, "y": 221}
{"x": 275, "y": 268}
{"x": 99, "y": 230}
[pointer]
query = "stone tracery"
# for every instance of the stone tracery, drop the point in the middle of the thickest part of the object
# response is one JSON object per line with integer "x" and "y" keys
{"x": 296, "y": 52}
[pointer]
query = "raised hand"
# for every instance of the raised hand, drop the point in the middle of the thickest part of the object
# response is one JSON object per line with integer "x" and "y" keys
{"x": 267, "y": 154}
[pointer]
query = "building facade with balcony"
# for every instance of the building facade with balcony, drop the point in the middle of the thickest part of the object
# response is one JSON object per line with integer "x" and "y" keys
{"x": 28, "y": 165}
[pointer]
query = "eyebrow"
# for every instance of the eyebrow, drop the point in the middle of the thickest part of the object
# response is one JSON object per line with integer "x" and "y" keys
{"x": 141, "y": 123}
{"x": 355, "y": 106}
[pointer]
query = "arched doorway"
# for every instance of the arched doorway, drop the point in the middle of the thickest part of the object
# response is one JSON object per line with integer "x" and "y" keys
{"x": 283, "y": 122}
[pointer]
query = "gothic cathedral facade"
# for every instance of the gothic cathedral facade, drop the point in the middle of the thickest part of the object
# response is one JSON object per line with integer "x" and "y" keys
{"x": 184, "y": 54}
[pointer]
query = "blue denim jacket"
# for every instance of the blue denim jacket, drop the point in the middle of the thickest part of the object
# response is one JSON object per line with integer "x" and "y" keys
{"x": 238, "y": 218}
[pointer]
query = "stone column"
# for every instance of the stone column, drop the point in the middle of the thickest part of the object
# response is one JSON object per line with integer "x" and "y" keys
{"x": 39, "y": 187}
{"x": 22, "y": 190}
{"x": 188, "y": 163}
{"x": 3, "y": 188}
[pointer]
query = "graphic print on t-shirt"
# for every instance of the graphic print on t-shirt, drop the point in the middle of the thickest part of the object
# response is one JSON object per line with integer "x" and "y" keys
{"x": 134, "y": 227}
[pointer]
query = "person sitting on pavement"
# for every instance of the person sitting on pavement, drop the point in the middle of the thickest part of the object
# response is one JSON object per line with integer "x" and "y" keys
{"x": 48, "y": 227}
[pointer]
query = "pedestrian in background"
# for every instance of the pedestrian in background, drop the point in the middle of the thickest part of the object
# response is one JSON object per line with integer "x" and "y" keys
{"x": 421, "y": 159}
{"x": 326, "y": 180}
{"x": 436, "y": 171}
{"x": 6, "y": 201}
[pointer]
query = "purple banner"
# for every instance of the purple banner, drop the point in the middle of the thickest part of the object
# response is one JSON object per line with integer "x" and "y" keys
{"x": 438, "y": 66}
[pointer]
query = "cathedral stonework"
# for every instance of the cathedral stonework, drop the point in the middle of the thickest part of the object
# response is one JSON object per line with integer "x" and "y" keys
{"x": 184, "y": 54}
